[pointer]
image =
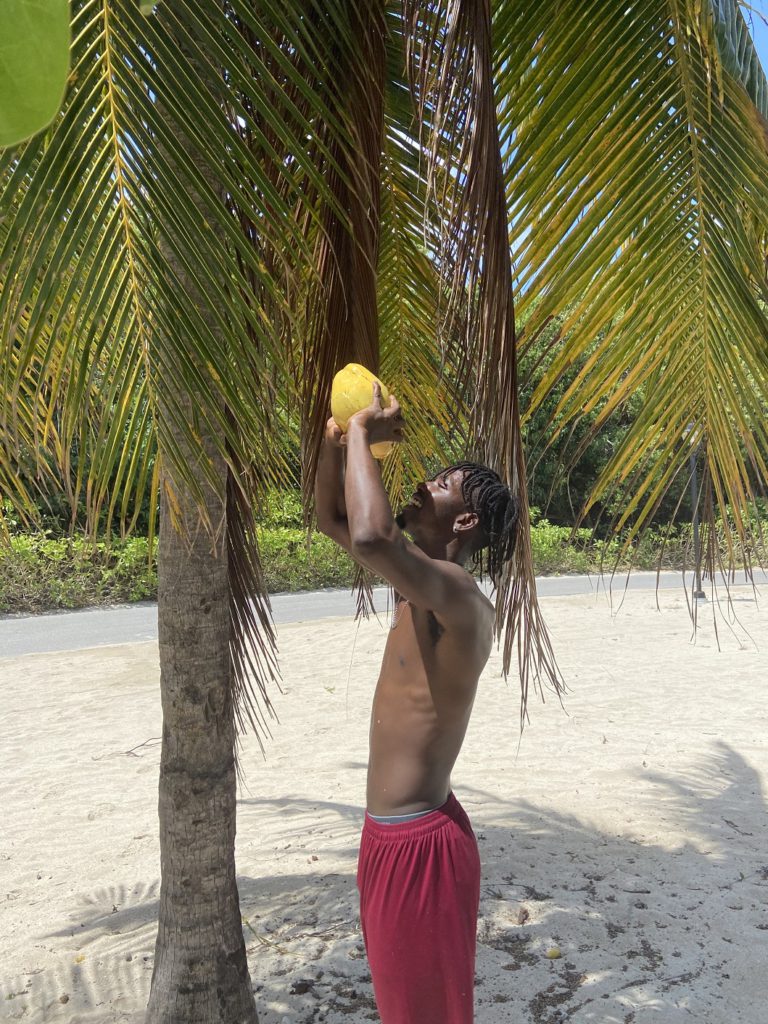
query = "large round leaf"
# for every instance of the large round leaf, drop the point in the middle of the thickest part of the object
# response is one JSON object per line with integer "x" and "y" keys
{"x": 34, "y": 63}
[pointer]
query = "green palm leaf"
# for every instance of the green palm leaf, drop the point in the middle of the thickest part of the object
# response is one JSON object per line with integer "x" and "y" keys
{"x": 637, "y": 184}
{"x": 738, "y": 53}
{"x": 413, "y": 362}
{"x": 148, "y": 255}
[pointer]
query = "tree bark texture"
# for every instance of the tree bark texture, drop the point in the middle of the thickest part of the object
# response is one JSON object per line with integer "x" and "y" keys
{"x": 201, "y": 972}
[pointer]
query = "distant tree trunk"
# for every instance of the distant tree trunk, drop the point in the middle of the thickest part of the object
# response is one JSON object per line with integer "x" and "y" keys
{"x": 201, "y": 973}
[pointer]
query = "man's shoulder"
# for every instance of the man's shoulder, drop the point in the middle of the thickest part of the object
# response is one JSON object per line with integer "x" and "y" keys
{"x": 460, "y": 578}
{"x": 480, "y": 611}
{"x": 464, "y": 579}
{"x": 428, "y": 582}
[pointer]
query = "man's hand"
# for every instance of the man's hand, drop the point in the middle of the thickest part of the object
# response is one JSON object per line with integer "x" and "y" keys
{"x": 333, "y": 433}
{"x": 379, "y": 423}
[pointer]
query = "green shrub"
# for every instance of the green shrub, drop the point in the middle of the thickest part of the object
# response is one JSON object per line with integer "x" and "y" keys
{"x": 291, "y": 563}
{"x": 556, "y": 550}
{"x": 39, "y": 573}
{"x": 282, "y": 508}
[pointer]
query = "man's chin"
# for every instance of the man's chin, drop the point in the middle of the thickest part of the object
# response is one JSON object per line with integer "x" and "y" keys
{"x": 403, "y": 519}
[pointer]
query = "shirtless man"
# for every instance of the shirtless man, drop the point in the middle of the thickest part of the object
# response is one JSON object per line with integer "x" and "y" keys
{"x": 419, "y": 868}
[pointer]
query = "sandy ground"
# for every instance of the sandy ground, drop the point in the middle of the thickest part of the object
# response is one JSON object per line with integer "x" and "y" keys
{"x": 630, "y": 832}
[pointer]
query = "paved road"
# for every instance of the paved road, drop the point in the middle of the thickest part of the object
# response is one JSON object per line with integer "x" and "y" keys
{"x": 96, "y": 627}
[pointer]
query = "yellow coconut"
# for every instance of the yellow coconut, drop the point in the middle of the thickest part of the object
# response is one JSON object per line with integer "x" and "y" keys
{"x": 352, "y": 390}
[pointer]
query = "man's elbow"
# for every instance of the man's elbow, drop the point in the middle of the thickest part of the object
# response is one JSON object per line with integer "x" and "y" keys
{"x": 370, "y": 543}
{"x": 333, "y": 528}
{"x": 324, "y": 525}
{"x": 336, "y": 529}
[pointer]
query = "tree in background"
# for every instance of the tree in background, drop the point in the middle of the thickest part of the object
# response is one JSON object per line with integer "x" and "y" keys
{"x": 236, "y": 200}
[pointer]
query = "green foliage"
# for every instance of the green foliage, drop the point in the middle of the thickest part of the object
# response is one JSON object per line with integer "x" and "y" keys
{"x": 291, "y": 563}
{"x": 38, "y": 573}
{"x": 562, "y": 467}
{"x": 34, "y": 63}
{"x": 649, "y": 255}
{"x": 282, "y": 508}
{"x": 561, "y": 550}
{"x": 557, "y": 549}
{"x": 565, "y": 464}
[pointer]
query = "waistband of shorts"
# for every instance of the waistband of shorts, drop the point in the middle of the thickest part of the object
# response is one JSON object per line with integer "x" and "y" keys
{"x": 450, "y": 811}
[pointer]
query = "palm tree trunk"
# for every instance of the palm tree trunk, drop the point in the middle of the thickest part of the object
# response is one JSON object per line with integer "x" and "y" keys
{"x": 201, "y": 972}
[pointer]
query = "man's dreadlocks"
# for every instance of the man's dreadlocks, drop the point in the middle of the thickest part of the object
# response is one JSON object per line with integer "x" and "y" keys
{"x": 498, "y": 512}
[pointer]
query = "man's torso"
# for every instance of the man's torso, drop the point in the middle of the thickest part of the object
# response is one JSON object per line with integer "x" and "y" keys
{"x": 422, "y": 705}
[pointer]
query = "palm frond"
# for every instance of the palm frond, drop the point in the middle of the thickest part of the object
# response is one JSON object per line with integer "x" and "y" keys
{"x": 637, "y": 185}
{"x": 149, "y": 246}
{"x": 738, "y": 53}
{"x": 413, "y": 362}
{"x": 452, "y": 77}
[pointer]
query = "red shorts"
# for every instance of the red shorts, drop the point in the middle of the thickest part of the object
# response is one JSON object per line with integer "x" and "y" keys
{"x": 419, "y": 888}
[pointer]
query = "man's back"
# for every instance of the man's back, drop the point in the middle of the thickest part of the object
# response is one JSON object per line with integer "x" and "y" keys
{"x": 422, "y": 704}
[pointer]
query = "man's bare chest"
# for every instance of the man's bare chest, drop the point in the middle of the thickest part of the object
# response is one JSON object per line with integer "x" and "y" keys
{"x": 422, "y": 623}
{"x": 418, "y": 643}
{"x": 419, "y": 647}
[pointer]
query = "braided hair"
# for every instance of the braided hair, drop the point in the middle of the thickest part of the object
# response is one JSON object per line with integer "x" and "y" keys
{"x": 498, "y": 512}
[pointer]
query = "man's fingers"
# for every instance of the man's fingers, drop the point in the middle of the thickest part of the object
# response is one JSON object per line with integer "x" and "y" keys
{"x": 377, "y": 393}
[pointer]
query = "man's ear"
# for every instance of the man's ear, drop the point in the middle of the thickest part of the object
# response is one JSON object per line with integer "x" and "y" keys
{"x": 465, "y": 521}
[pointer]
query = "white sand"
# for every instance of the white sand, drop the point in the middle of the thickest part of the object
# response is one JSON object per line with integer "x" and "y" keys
{"x": 632, "y": 831}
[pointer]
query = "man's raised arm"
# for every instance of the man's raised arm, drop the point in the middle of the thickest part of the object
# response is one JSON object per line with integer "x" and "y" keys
{"x": 329, "y": 488}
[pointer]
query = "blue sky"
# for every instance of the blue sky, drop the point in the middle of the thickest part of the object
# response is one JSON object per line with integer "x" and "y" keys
{"x": 759, "y": 32}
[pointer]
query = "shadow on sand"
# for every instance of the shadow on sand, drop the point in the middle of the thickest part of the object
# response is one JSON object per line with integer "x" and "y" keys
{"x": 647, "y": 932}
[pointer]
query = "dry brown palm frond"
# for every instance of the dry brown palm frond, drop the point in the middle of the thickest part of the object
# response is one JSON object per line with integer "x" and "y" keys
{"x": 452, "y": 75}
{"x": 342, "y": 320}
